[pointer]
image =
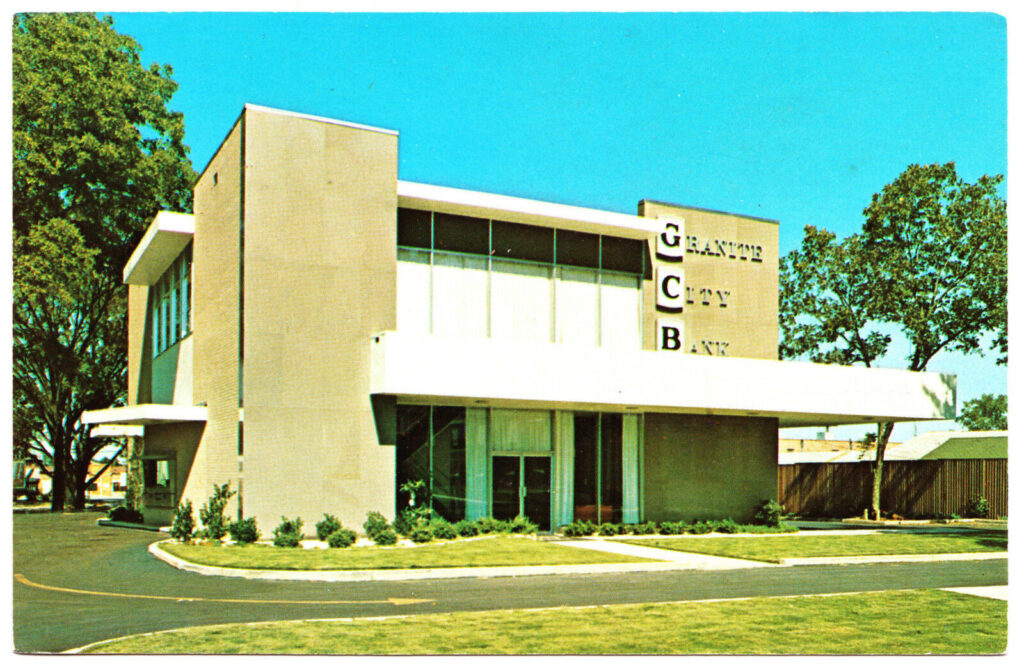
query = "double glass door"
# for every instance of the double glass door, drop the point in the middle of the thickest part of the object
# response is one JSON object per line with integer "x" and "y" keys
{"x": 521, "y": 485}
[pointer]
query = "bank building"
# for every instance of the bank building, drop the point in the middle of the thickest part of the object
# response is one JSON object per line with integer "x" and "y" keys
{"x": 318, "y": 332}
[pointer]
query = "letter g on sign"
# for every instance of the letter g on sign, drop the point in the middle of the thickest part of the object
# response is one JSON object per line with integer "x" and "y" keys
{"x": 670, "y": 241}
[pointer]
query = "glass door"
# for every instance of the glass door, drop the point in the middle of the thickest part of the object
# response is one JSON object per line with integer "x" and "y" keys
{"x": 521, "y": 485}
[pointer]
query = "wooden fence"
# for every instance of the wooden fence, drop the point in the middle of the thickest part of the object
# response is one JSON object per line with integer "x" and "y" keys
{"x": 910, "y": 488}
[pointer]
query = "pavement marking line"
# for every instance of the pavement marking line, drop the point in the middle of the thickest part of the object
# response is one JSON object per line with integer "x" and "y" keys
{"x": 395, "y": 601}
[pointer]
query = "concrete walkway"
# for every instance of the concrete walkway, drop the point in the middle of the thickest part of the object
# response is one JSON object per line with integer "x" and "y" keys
{"x": 680, "y": 559}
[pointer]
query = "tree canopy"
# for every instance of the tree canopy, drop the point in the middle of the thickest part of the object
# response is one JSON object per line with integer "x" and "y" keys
{"x": 929, "y": 262}
{"x": 96, "y": 154}
{"x": 987, "y": 412}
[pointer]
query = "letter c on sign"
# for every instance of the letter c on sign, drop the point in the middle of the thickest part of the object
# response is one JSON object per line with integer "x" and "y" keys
{"x": 670, "y": 289}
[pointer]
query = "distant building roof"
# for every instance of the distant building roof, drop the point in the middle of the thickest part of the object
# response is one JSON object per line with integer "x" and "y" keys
{"x": 928, "y": 446}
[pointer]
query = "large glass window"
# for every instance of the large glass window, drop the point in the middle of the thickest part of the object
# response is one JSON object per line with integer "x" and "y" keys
{"x": 431, "y": 447}
{"x": 171, "y": 303}
{"x": 597, "y": 475}
{"x": 473, "y": 277}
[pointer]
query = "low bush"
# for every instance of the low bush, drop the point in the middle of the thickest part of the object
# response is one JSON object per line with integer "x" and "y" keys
{"x": 211, "y": 514}
{"x": 466, "y": 528}
{"x": 609, "y": 529}
{"x": 385, "y": 537}
{"x": 521, "y": 525}
{"x": 289, "y": 533}
{"x": 421, "y": 534}
{"x": 769, "y": 513}
{"x": 124, "y": 514}
{"x": 341, "y": 538}
{"x": 184, "y": 524}
{"x": 726, "y": 526}
{"x": 701, "y": 527}
{"x": 326, "y": 527}
{"x": 442, "y": 529}
{"x": 580, "y": 528}
{"x": 977, "y": 507}
{"x": 668, "y": 527}
{"x": 374, "y": 524}
{"x": 645, "y": 528}
{"x": 244, "y": 531}
{"x": 488, "y": 525}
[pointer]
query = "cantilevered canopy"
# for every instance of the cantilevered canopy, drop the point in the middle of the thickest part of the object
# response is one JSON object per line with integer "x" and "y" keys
{"x": 167, "y": 236}
{"x": 505, "y": 373}
{"x": 141, "y": 415}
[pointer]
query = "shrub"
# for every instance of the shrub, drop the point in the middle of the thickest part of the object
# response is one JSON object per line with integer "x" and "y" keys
{"x": 385, "y": 537}
{"x": 669, "y": 527}
{"x": 403, "y": 523}
{"x": 244, "y": 531}
{"x": 521, "y": 525}
{"x": 629, "y": 528}
{"x": 488, "y": 525}
{"x": 184, "y": 524}
{"x": 124, "y": 514}
{"x": 645, "y": 528}
{"x": 701, "y": 527}
{"x": 609, "y": 529}
{"x": 580, "y": 528}
{"x": 328, "y": 526}
{"x": 977, "y": 507}
{"x": 420, "y": 534}
{"x": 727, "y": 526}
{"x": 769, "y": 513}
{"x": 374, "y": 524}
{"x": 211, "y": 514}
{"x": 289, "y": 533}
{"x": 341, "y": 538}
{"x": 466, "y": 528}
{"x": 442, "y": 529}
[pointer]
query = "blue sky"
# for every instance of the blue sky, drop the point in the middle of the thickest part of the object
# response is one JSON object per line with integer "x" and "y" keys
{"x": 794, "y": 117}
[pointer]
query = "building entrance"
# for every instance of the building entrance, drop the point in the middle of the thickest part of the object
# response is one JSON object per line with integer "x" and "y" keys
{"x": 521, "y": 485}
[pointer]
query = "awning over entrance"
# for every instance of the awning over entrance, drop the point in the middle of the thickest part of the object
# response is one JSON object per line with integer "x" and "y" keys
{"x": 142, "y": 415}
{"x": 495, "y": 372}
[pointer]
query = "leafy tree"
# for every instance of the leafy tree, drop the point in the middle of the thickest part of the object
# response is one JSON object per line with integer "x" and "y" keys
{"x": 930, "y": 261}
{"x": 96, "y": 155}
{"x": 985, "y": 413}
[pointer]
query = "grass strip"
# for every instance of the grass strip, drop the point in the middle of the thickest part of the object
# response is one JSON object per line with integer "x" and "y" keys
{"x": 498, "y": 551}
{"x": 777, "y": 548}
{"x": 899, "y": 622}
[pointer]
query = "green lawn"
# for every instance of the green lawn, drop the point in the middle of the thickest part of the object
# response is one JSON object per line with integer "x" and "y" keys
{"x": 776, "y": 548}
{"x": 903, "y": 622}
{"x": 494, "y": 551}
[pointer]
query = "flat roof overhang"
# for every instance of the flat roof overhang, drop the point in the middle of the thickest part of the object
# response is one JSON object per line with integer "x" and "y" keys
{"x": 525, "y": 211}
{"x": 143, "y": 415}
{"x": 166, "y": 237}
{"x": 505, "y": 373}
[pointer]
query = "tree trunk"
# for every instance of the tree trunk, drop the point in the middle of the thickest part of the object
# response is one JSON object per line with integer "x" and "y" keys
{"x": 884, "y": 432}
{"x": 80, "y": 475}
{"x": 58, "y": 486}
{"x": 133, "y": 487}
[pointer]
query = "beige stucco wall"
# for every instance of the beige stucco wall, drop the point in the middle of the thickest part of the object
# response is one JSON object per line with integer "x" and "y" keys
{"x": 320, "y": 210}
{"x": 748, "y": 324}
{"x": 215, "y": 337}
{"x": 139, "y": 346}
{"x": 707, "y": 467}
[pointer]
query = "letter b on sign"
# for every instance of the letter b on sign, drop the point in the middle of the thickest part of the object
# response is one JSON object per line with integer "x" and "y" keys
{"x": 670, "y": 335}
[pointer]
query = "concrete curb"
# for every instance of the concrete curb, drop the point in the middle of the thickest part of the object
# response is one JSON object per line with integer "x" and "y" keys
{"x": 877, "y": 559}
{"x": 353, "y": 576}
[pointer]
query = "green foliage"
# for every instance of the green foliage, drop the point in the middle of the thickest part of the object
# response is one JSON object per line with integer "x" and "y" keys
{"x": 669, "y": 527}
{"x": 421, "y": 534}
{"x": 987, "y": 412}
{"x": 701, "y": 527}
{"x": 645, "y": 528}
{"x": 609, "y": 529}
{"x": 341, "y": 538}
{"x": 442, "y": 529}
{"x": 184, "y": 524}
{"x": 579, "y": 528}
{"x": 289, "y": 533}
{"x": 124, "y": 514}
{"x": 211, "y": 514}
{"x": 374, "y": 524}
{"x": 521, "y": 525}
{"x": 413, "y": 488}
{"x": 386, "y": 537}
{"x": 326, "y": 527}
{"x": 489, "y": 525}
{"x": 244, "y": 531}
{"x": 727, "y": 526}
{"x": 769, "y": 513}
{"x": 467, "y": 528}
{"x": 977, "y": 507}
{"x": 930, "y": 261}
{"x": 96, "y": 152}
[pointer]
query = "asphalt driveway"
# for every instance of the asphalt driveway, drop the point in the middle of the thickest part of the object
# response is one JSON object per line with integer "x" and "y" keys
{"x": 76, "y": 583}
